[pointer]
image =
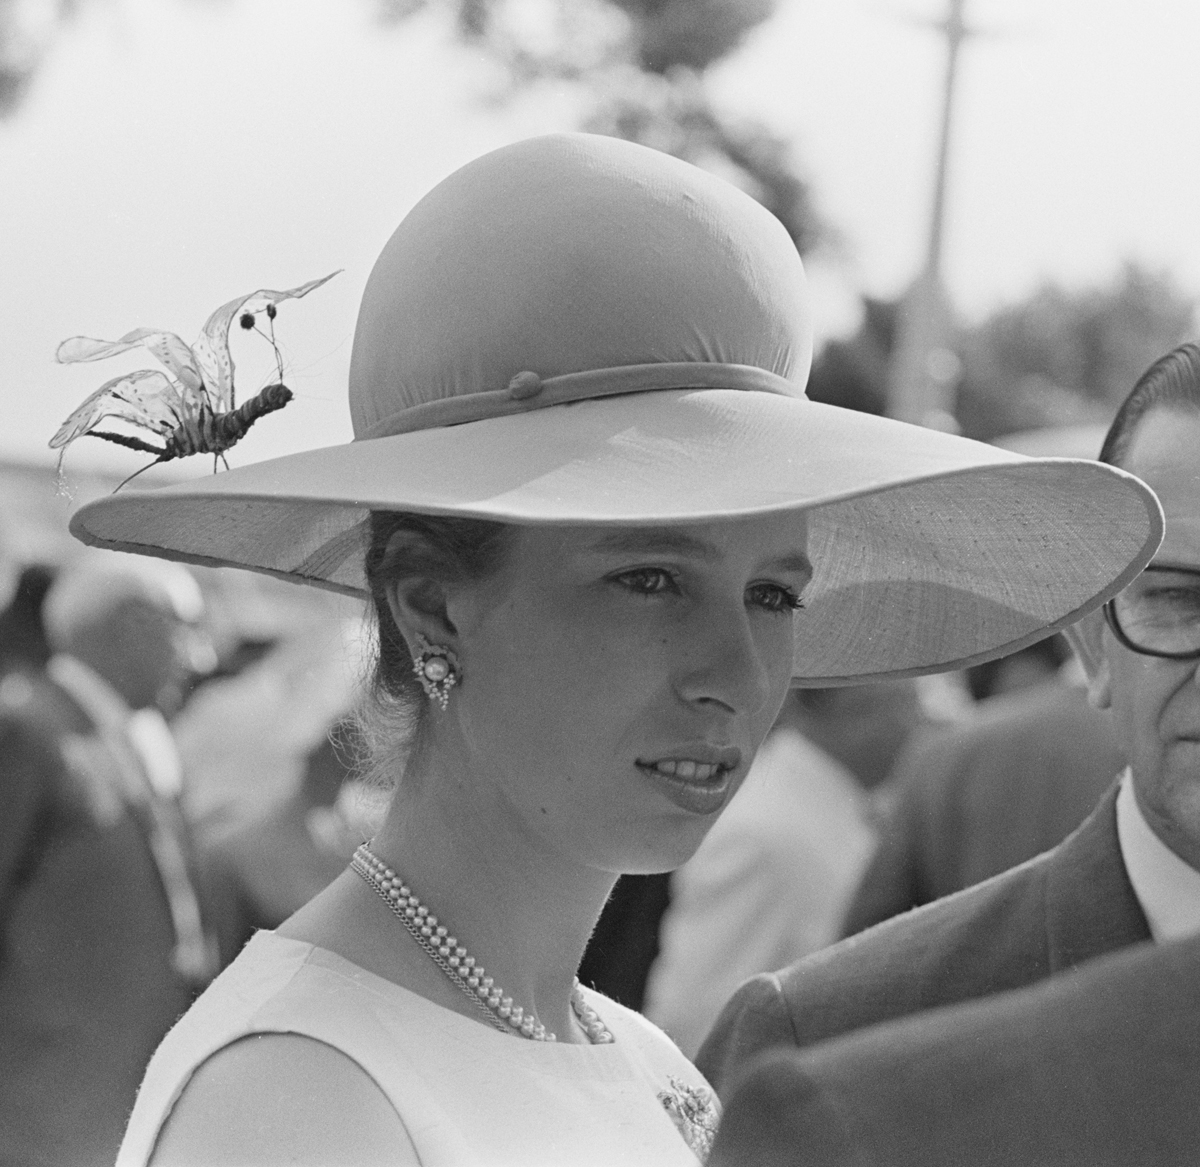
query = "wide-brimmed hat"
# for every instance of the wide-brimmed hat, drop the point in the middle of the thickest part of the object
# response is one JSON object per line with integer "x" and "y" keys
{"x": 578, "y": 330}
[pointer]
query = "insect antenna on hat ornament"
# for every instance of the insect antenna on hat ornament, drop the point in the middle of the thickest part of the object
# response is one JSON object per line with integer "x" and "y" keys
{"x": 191, "y": 405}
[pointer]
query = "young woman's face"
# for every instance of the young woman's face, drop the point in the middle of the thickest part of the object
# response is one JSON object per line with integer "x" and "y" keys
{"x": 617, "y": 682}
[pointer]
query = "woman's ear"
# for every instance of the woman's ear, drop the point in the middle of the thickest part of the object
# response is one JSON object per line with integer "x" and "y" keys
{"x": 418, "y": 605}
{"x": 417, "y": 599}
{"x": 1087, "y": 639}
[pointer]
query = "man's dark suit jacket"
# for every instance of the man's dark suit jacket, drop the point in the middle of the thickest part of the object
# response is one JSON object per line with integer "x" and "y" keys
{"x": 1097, "y": 1068}
{"x": 87, "y": 984}
{"x": 1047, "y": 916}
{"x": 970, "y": 800}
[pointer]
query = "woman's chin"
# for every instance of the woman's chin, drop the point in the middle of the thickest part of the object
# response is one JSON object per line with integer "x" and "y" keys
{"x": 668, "y": 850}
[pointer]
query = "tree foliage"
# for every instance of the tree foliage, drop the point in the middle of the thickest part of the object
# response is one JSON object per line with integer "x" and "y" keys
{"x": 642, "y": 64}
{"x": 690, "y": 34}
{"x": 853, "y": 372}
{"x": 1058, "y": 357}
{"x": 673, "y": 113}
{"x": 540, "y": 38}
{"x": 639, "y": 63}
{"x": 1061, "y": 356}
{"x": 27, "y": 32}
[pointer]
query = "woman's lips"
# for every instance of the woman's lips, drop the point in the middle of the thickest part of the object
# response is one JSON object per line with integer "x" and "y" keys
{"x": 699, "y": 785}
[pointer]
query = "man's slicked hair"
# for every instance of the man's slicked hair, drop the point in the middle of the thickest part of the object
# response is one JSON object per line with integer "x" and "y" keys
{"x": 1172, "y": 382}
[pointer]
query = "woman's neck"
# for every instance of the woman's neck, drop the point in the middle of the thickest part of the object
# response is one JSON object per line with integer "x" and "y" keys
{"x": 523, "y": 910}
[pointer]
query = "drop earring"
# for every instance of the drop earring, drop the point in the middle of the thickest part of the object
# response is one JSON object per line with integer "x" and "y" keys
{"x": 437, "y": 669}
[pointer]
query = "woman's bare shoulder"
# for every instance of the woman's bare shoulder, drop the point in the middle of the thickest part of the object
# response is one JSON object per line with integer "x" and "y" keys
{"x": 280, "y": 1098}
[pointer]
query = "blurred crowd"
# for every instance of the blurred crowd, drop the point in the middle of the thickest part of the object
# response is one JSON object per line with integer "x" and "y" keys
{"x": 169, "y": 786}
{"x": 178, "y": 768}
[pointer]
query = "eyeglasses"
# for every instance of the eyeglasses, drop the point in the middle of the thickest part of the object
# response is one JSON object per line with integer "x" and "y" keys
{"x": 1159, "y": 613}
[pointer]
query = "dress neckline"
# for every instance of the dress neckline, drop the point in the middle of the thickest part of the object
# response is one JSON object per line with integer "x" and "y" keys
{"x": 464, "y": 1027}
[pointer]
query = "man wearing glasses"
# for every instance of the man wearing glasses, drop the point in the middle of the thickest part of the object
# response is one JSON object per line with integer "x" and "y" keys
{"x": 1130, "y": 873}
{"x": 1143, "y": 664}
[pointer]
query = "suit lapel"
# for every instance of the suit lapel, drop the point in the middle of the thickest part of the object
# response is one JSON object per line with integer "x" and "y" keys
{"x": 1091, "y": 908}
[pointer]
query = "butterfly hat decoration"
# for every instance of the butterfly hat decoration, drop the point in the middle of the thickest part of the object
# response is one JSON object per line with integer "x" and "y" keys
{"x": 190, "y": 403}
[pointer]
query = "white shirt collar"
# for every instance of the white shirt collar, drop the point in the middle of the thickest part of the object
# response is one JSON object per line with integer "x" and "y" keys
{"x": 1167, "y": 888}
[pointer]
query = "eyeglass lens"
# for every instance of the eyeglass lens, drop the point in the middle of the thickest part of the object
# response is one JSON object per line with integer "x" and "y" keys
{"x": 1160, "y": 610}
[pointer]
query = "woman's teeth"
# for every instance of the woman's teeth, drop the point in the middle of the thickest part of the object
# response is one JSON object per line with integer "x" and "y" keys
{"x": 688, "y": 770}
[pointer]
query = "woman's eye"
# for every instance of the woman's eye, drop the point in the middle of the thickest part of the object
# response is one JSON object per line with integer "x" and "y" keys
{"x": 773, "y": 597}
{"x": 647, "y": 581}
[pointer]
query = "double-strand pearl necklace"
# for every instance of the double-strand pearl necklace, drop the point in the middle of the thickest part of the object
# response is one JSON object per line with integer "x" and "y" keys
{"x": 452, "y": 958}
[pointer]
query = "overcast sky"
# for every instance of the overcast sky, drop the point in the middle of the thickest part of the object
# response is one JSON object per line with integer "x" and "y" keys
{"x": 175, "y": 153}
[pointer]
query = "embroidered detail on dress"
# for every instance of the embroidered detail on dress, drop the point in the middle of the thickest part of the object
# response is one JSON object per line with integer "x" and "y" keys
{"x": 694, "y": 1112}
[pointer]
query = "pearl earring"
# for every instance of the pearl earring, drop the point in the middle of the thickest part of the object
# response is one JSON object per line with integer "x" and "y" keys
{"x": 437, "y": 669}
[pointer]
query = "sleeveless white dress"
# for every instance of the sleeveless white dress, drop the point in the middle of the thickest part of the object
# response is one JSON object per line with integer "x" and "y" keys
{"x": 468, "y": 1095}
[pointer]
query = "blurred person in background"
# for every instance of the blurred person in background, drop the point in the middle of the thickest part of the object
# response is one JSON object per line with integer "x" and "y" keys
{"x": 275, "y": 861}
{"x": 771, "y": 881}
{"x": 1129, "y": 873}
{"x": 624, "y": 945}
{"x": 287, "y": 669}
{"x": 103, "y": 935}
{"x": 23, "y": 644}
{"x": 1033, "y": 665}
{"x": 969, "y": 800}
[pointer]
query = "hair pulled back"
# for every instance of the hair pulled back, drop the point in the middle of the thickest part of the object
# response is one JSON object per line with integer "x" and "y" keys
{"x": 442, "y": 549}
{"x": 1171, "y": 382}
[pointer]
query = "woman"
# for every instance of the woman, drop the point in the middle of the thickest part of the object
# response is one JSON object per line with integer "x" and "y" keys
{"x": 602, "y": 532}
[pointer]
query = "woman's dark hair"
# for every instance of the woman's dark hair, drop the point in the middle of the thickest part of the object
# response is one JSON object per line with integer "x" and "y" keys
{"x": 402, "y": 545}
{"x": 1173, "y": 381}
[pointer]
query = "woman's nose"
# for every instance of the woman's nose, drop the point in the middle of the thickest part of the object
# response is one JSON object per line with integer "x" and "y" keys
{"x": 723, "y": 663}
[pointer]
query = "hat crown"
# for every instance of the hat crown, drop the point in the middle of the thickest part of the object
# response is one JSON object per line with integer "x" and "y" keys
{"x": 571, "y": 253}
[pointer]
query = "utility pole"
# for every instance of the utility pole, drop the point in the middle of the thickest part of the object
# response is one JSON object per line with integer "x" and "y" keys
{"x": 923, "y": 372}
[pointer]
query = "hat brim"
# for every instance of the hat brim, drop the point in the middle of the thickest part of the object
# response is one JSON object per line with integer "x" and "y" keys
{"x": 931, "y": 552}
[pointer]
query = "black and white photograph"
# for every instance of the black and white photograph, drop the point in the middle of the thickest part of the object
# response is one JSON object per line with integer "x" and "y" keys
{"x": 599, "y": 583}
